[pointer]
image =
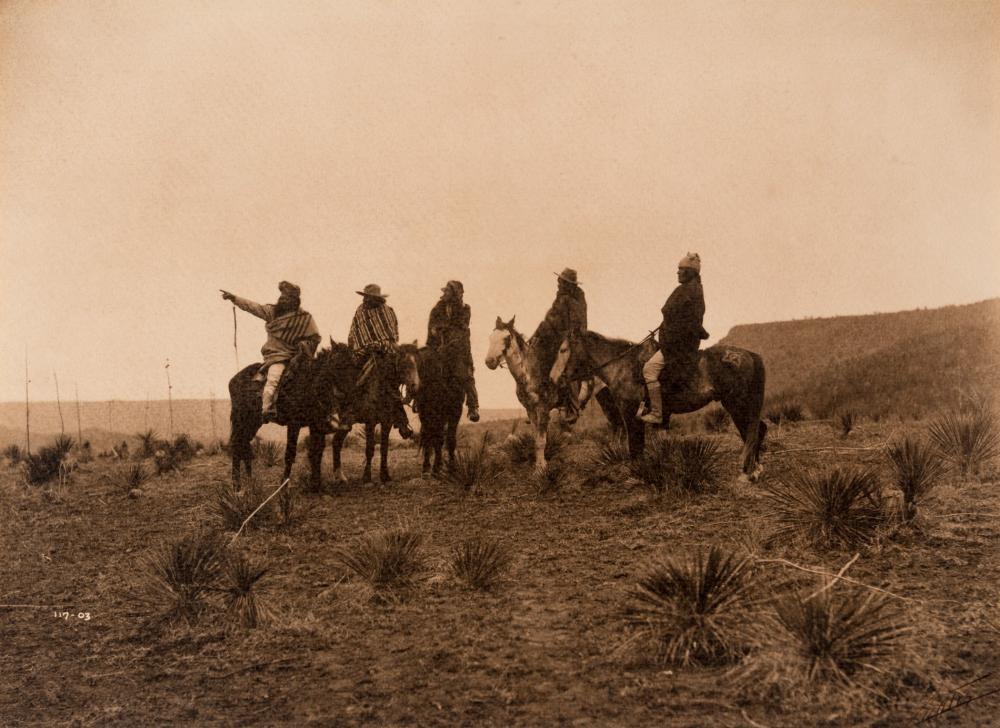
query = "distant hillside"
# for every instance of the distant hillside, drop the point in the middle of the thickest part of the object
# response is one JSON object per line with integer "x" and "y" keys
{"x": 908, "y": 362}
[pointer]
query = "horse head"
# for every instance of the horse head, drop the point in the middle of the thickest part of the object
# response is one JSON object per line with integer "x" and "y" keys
{"x": 407, "y": 365}
{"x": 499, "y": 342}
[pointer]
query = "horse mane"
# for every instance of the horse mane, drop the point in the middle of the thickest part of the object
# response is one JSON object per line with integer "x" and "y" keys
{"x": 617, "y": 343}
{"x": 518, "y": 337}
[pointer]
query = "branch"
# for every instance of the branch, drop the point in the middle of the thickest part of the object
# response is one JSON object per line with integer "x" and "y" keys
{"x": 833, "y": 581}
{"x": 832, "y": 576}
{"x": 242, "y": 525}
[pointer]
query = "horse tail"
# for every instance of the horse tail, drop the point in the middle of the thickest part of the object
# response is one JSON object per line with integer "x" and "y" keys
{"x": 757, "y": 426}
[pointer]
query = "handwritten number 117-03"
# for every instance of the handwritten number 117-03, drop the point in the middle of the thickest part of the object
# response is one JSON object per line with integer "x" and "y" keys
{"x": 84, "y": 616}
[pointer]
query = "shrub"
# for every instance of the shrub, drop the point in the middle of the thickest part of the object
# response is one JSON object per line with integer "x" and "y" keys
{"x": 480, "y": 562}
{"x": 697, "y": 464}
{"x": 774, "y": 416}
{"x": 473, "y": 467}
{"x": 42, "y": 466}
{"x": 693, "y": 611}
{"x": 13, "y": 453}
{"x": 385, "y": 559}
{"x": 147, "y": 443}
{"x": 164, "y": 460}
{"x": 654, "y": 468}
{"x": 232, "y": 507}
{"x": 241, "y": 591}
{"x": 63, "y": 444}
{"x": 267, "y": 451}
{"x": 792, "y": 412}
{"x": 838, "y": 507}
{"x": 917, "y": 469}
{"x": 715, "y": 420}
{"x": 181, "y": 576}
{"x": 184, "y": 448}
{"x": 549, "y": 480}
{"x": 846, "y": 421}
{"x": 613, "y": 451}
{"x": 967, "y": 440}
{"x": 838, "y": 634}
{"x": 131, "y": 477}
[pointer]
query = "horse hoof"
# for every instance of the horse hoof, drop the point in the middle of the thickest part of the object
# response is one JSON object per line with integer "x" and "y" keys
{"x": 426, "y": 475}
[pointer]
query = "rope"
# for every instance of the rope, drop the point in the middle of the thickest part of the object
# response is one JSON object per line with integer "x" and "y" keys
{"x": 236, "y": 351}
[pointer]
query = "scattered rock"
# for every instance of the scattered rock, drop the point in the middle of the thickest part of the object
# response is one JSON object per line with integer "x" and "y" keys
{"x": 135, "y": 493}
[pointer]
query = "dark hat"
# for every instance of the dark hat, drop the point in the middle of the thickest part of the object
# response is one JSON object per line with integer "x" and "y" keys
{"x": 374, "y": 290}
{"x": 289, "y": 289}
{"x": 456, "y": 285}
{"x": 568, "y": 275}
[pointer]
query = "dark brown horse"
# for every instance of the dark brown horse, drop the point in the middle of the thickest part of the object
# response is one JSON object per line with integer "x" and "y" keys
{"x": 735, "y": 377}
{"x": 368, "y": 401}
{"x": 306, "y": 397}
{"x": 439, "y": 403}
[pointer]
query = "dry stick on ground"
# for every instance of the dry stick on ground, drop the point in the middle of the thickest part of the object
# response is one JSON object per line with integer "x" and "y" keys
{"x": 833, "y": 581}
{"x": 952, "y": 706}
{"x": 785, "y": 562}
{"x": 242, "y": 525}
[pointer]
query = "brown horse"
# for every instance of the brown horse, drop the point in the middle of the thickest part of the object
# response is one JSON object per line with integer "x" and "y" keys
{"x": 367, "y": 401}
{"x": 735, "y": 377}
{"x": 439, "y": 404}
{"x": 306, "y": 397}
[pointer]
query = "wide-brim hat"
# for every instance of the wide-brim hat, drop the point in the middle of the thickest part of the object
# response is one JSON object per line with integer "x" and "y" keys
{"x": 374, "y": 290}
{"x": 568, "y": 275}
{"x": 289, "y": 289}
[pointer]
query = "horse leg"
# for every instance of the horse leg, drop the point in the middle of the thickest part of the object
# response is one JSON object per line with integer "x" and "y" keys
{"x": 425, "y": 445}
{"x": 383, "y": 472}
{"x": 317, "y": 440}
{"x": 752, "y": 431}
{"x": 451, "y": 440}
{"x": 336, "y": 446}
{"x": 635, "y": 430}
{"x": 291, "y": 449}
{"x": 369, "y": 452}
{"x": 541, "y": 432}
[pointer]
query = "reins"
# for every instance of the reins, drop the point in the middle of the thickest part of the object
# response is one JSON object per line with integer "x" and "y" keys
{"x": 594, "y": 369}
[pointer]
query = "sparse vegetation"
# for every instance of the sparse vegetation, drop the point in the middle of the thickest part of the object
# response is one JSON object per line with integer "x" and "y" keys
{"x": 715, "y": 419}
{"x": 232, "y": 507}
{"x": 473, "y": 467}
{"x": 693, "y": 611}
{"x": 550, "y": 479}
{"x": 613, "y": 451}
{"x": 840, "y": 631}
{"x": 967, "y": 440}
{"x": 241, "y": 591}
{"x": 839, "y": 507}
{"x": 917, "y": 468}
{"x": 131, "y": 476}
{"x": 385, "y": 559}
{"x": 63, "y": 444}
{"x": 13, "y": 453}
{"x": 180, "y": 576}
{"x": 147, "y": 444}
{"x": 480, "y": 562}
{"x": 697, "y": 464}
{"x": 43, "y": 466}
{"x": 846, "y": 420}
{"x": 267, "y": 451}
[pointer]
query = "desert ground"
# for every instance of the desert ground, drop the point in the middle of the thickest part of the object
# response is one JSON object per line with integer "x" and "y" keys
{"x": 90, "y": 637}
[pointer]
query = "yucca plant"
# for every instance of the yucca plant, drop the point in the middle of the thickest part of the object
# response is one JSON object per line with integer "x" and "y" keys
{"x": 42, "y": 466}
{"x": 715, "y": 420}
{"x": 774, "y": 416}
{"x": 837, "y": 507}
{"x": 241, "y": 591}
{"x": 550, "y": 479}
{"x": 267, "y": 451}
{"x": 655, "y": 468}
{"x": 967, "y": 440}
{"x": 917, "y": 468}
{"x": 473, "y": 467}
{"x": 181, "y": 575}
{"x": 385, "y": 559}
{"x": 846, "y": 420}
{"x": 183, "y": 448}
{"x": 613, "y": 451}
{"x": 792, "y": 412}
{"x": 147, "y": 443}
{"x": 697, "y": 464}
{"x": 839, "y": 631}
{"x": 62, "y": 445}
{"x": 131, "y": 477}
{"x": 232, "y": 507}
{"x": 13, "y": 453}
{"x": 693, "y": 610}
{"x": 480, "y": 562}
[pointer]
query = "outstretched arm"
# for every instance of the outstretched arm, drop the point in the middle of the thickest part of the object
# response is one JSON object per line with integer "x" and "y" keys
{"x": 265, "y": 311}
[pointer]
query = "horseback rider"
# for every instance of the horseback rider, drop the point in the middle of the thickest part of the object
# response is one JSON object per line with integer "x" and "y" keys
{"x": 672, "y": 367}
{"x": 291, "y": 333}
{"x": 448, "y": 325}
{"x": 374, "y": 336}
{"x": 566, "y": 318}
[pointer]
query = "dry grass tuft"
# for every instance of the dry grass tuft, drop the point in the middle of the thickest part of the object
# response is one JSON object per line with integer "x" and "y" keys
{"x": 967, "y": 440}
{"x": 480, "y": 562}
{"x": 242, "y": 593}
{"x": 550, "y": 479}
{"x": 147, "y": 443}
{"x": 267, "y": 451}
{"x": 385, "y": 559}
{"x": 131, "y": 476}
{"x": 232, "y": 507}
{"x": 841, "y": 507}
{"x": 43, "y": 466}
{"x": 715, "y": 419}
{"x": 917, "y": 468}
{"x": 13, "y": 453}
{"x": 694, "y": 465}
{"x": 693, "y": 611}
{"x": 180, "y": 576}
{"x": 473, "y": 467}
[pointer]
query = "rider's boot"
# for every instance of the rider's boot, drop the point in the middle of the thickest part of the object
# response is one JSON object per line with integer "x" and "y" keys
{"x": 655, "y": 414}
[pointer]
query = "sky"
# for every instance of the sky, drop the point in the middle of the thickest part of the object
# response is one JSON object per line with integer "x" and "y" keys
{"x": 823, "y": 158}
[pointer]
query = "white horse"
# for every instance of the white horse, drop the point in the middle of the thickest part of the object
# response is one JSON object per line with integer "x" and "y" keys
{"x": 538, "y": 395}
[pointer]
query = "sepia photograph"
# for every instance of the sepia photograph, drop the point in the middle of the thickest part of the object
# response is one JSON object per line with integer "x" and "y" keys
{"x": 513, "y": 363}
